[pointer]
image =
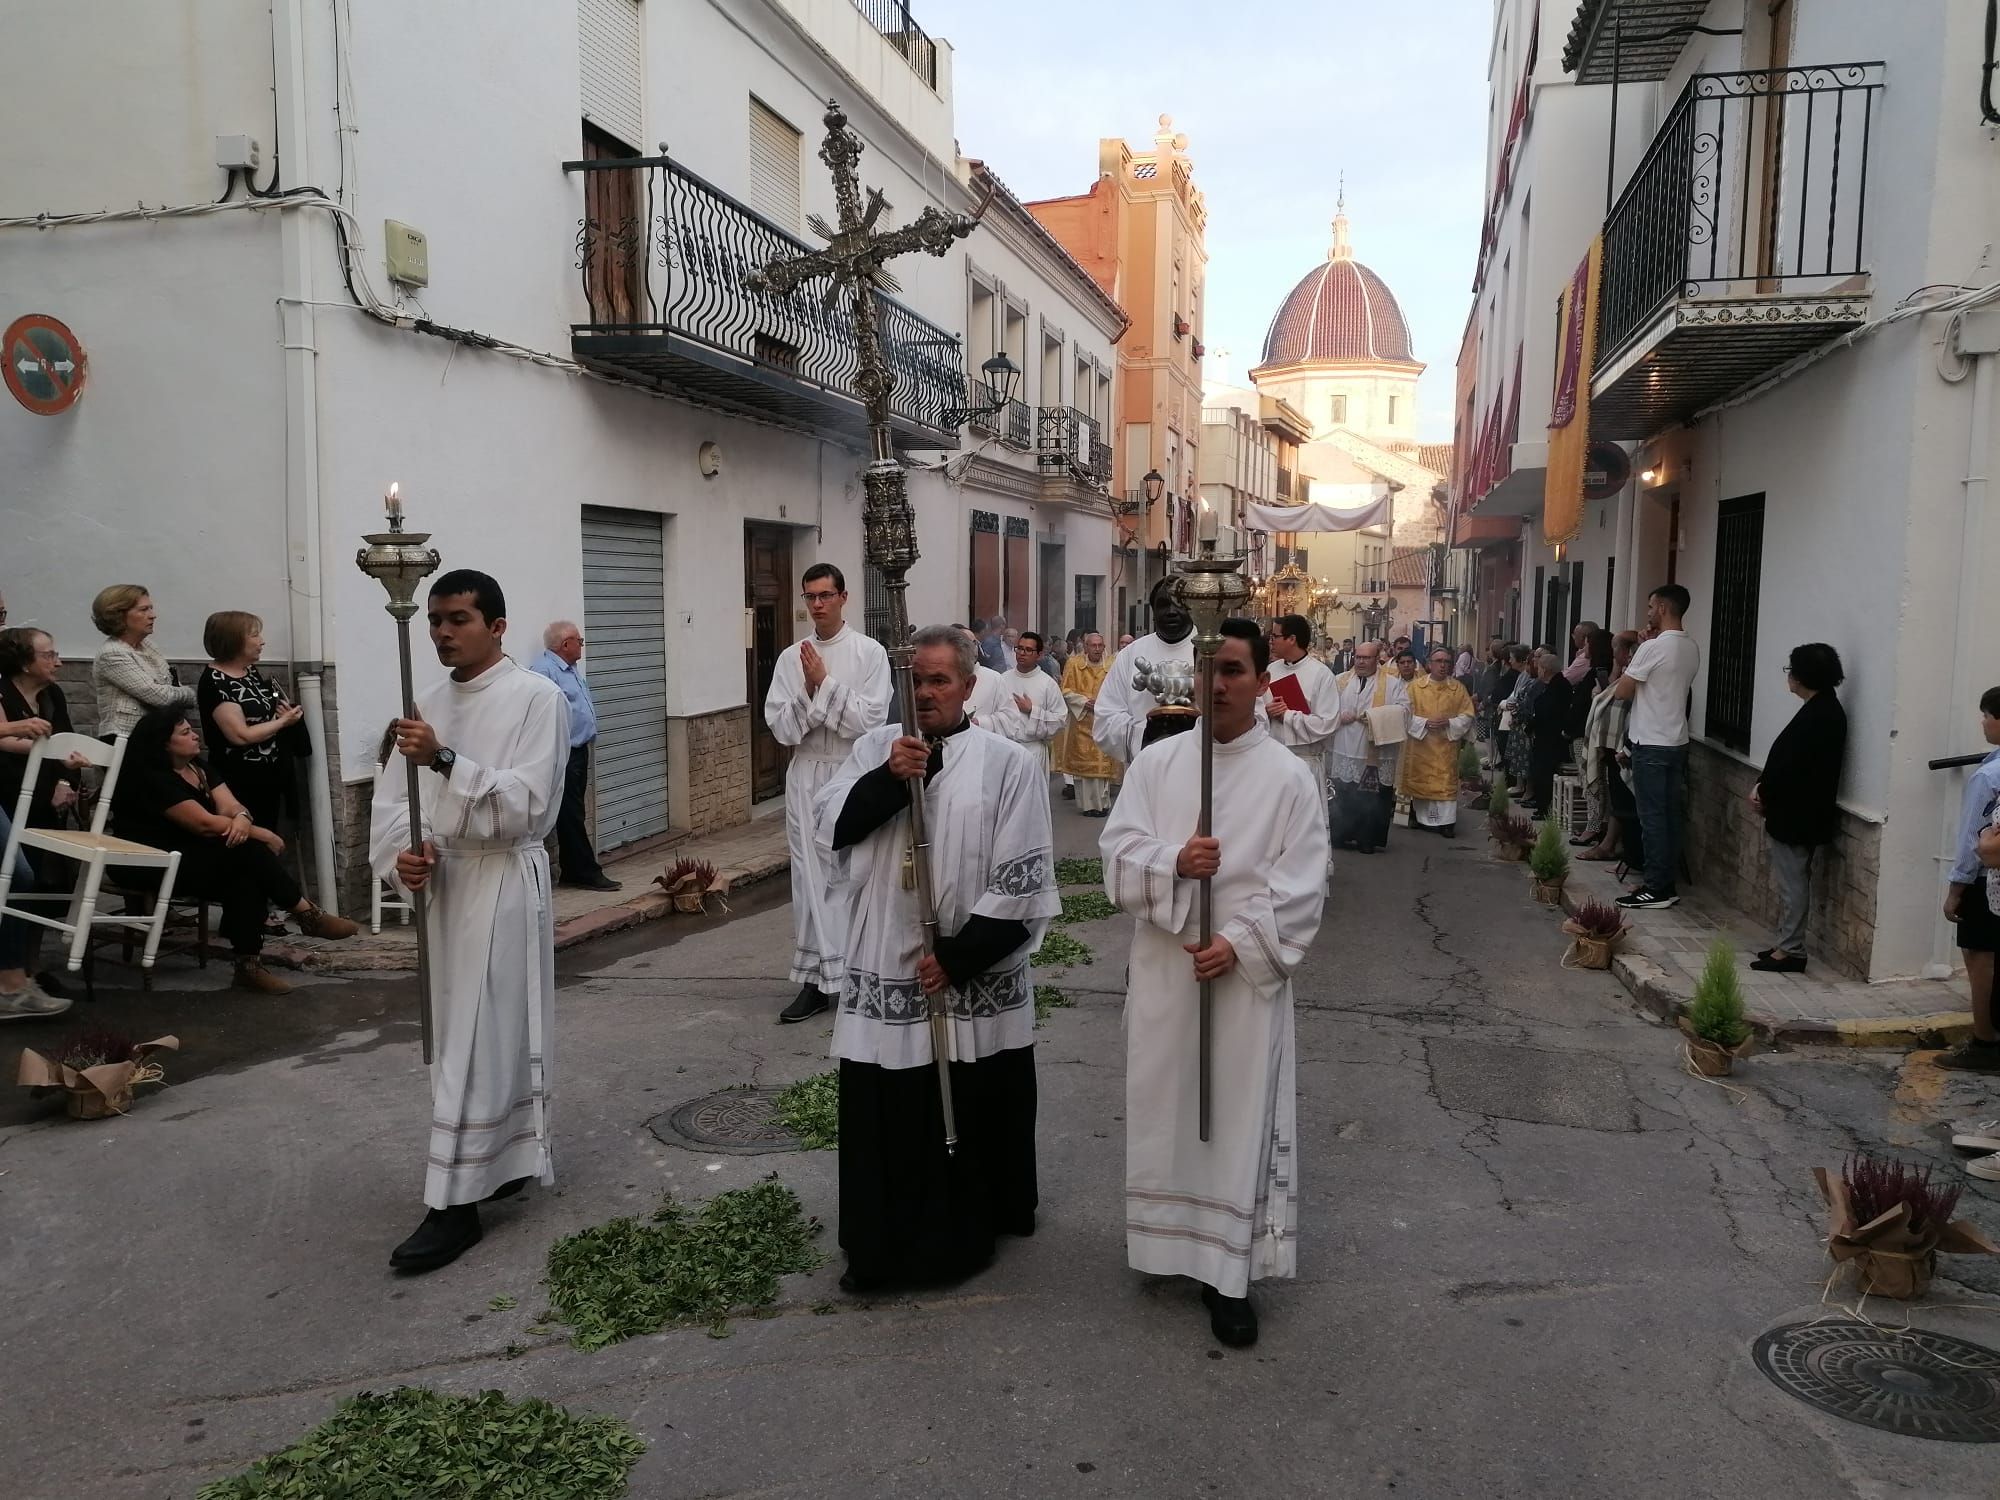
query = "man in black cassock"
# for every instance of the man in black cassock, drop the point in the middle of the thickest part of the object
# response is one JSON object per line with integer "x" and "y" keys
{"x": 910, "y": 1214}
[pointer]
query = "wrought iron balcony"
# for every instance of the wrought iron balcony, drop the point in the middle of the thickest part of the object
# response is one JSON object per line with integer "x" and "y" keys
{"x": 989, "y": 417}
{"x": 1072, "y": 441}
{"x": 892, "y": 19}
{"x": 1019, "y": 431}
{"x": 1285, "y": 485}
{"x": 1739, "y": 243}
{"x": 663, "y": 254}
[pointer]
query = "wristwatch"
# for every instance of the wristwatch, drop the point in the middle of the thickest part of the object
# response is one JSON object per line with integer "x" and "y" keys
{"x": 444, "y": 760}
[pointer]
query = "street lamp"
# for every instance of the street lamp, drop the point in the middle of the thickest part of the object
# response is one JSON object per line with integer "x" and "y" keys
{"x": 1001, "y": 376}
{"x": 1152, "y": 487}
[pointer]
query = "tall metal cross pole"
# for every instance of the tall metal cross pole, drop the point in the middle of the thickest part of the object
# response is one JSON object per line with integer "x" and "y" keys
{"x": 852, "y": 265}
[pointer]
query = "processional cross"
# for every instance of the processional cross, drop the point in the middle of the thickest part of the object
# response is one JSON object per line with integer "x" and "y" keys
{"x": 853, "y": 265}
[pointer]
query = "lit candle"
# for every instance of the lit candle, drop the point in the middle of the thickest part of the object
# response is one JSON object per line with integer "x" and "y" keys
{"x": 393, "y": 503}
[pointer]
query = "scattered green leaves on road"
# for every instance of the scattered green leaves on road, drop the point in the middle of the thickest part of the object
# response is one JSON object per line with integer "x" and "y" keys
{"x": 1048, "y": 998}
{"x": 634, "y": 1276}
{"x": 1060, "y": 948}
{"x": 810, "y": 1110}
{"x": 417, "y": 1444}
{"x": 1079, "y": 872}
{"x": 502, "y": 1303}
{"x": 1086, "y": 906}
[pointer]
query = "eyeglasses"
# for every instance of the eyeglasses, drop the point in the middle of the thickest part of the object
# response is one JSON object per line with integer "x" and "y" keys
{"x": 820, "y": 598}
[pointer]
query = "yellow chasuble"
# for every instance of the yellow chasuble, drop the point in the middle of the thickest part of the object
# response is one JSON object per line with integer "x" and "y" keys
{"x": 1075, "y": 752}
{"x": 1430, "y": 764}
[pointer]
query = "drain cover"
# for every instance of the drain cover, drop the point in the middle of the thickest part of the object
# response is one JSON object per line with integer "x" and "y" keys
{"x": 744, "y": 1121}
{"x": 1926, "y": 1385}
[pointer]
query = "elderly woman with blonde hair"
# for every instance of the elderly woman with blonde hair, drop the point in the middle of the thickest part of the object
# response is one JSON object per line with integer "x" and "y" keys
{"x": 129, "y": 673}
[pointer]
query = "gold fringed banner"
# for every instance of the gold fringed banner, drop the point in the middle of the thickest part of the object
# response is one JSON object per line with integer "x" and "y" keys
{"x": 1569, "y": 418}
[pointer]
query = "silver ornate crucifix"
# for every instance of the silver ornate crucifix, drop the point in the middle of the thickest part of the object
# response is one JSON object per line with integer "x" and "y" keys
{"x": 853, "y": 264}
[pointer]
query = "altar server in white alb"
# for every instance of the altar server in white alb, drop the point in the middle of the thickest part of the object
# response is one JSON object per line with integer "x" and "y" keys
{"x": 910, "y": 1213}
{"x": 1305, "y": 729}
{"x": 1221, "y": 1211}
{"x": 1122, "y": 705}
{"x": 987, "y": 704}
{"x": 826, "y": 692}
{"x": 493, "y": 742}
{"x": 1035, "y": 712}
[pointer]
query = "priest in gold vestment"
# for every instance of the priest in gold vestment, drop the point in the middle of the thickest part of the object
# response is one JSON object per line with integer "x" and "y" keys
{"x": 1441, "y": 715}
{"x": 1076, "y": 752}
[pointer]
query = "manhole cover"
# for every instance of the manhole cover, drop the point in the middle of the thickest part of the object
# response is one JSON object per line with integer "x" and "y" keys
{"x": 738, "y": 1120}
{"x": 1926, "y": 1385}
{"x": 1522, "y": 1083}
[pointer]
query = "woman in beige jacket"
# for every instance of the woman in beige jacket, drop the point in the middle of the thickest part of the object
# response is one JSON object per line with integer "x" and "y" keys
{"x": 129, "y": 673}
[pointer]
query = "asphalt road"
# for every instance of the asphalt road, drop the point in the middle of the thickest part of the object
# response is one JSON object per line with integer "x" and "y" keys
{"x": 1534, "y": 1251}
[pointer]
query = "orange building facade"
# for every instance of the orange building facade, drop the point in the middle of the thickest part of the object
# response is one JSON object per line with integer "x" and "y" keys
{"x": 1139, "y": 232}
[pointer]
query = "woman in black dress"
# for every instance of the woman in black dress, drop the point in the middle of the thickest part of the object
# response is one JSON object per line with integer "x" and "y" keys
{"x": 244, "y": 717}
{"x": 28, "y": 692}
{"x": 1798, "y": 793}
{"x": 165, "y": 797}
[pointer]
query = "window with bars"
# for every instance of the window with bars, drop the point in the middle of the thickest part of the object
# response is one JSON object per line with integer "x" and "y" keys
{"x": 1732, "y": 646}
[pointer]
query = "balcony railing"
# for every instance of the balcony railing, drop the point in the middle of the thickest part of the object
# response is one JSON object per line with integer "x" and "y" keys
{"x": 1070, "y": 440}
{"x": 1285, "y": 485}
{"x": 1756, "y": 183}
{"x": 1020, "y": 426}
{"x": 988, "y": 416}
{"x": 663, "y": 255}
{"x": 892, "y": 19}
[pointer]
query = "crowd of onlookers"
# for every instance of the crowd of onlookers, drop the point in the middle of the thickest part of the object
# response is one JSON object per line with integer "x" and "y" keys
{"x": 209, "y": 768}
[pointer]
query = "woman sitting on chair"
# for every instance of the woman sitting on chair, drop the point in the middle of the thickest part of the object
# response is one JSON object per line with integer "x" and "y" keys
{"x": 166, "y": 799}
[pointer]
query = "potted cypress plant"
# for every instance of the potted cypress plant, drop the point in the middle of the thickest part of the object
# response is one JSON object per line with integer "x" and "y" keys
{"x": 1596, "y": 928}
{"x": 1717, "y": 1029}
{"x": 1548, "y": 863}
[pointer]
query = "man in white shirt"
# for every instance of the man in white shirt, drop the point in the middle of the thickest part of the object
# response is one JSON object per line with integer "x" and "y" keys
{"x": 1657, "y": 681}
{"x": 1035, "y": 711}
{"x": 826, "y": 693}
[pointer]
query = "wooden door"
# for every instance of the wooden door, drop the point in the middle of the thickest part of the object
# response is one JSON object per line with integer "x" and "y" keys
{"x": 767, "y": 604}
{"x": 1776, "y": 56}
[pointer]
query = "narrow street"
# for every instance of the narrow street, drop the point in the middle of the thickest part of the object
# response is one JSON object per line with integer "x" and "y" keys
{"x": 1535, "y": 1252}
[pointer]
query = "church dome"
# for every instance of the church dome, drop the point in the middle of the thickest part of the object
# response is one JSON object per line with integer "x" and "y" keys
{"x": 1340, "y": 310}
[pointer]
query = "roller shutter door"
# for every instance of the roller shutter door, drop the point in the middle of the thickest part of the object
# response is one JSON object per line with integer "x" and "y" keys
{"x": 608, "y": 50}
{"x": 625, "y": 628}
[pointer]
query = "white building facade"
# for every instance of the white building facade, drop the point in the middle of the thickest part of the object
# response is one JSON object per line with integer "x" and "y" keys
{"x": 576, "y": 393}
{"x": 1791, "y": 356}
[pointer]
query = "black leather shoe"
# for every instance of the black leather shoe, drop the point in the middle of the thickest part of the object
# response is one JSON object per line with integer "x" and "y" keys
{"x": 445, "y": 1235}
{"x": 598, "y": 882}
{"x": 508, "y": 1189}
{"x": 809, "y": 1002}
{"x": 1069, "y": 794}
{"x": 1231, "y": 1319}
{"x": 855, "y": 1284}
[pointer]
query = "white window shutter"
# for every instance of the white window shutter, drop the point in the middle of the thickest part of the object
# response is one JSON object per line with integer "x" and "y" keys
{"x": 774, "y": 166}
{"x": 608, "y": 61}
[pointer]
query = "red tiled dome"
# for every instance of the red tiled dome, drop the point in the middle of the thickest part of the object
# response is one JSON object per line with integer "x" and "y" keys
{"x": 1339, "y": 310}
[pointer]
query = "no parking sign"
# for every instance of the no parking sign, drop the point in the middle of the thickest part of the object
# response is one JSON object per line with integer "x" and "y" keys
{"x": 45, "y": 364}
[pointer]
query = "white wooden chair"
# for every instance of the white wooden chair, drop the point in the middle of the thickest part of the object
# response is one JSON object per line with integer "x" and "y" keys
{"x": 386, "y": 899}
{"x": 95, "y": 851}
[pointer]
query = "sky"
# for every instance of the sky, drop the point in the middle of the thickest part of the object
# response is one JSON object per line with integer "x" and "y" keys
{"x": 1277, "y": 98}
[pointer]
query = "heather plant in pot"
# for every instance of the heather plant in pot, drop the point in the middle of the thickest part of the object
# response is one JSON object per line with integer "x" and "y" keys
{"x": 1596, "y": 928}
{"x": 1511, "y": 833}
{"x": 1890, "y": 1220}
{"x": 690, "y": 882}
{"x": 1718, "y": 1030}
{"x": 1548, "y": 863}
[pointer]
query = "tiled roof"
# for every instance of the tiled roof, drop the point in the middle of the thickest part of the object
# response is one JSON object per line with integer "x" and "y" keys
{"x": 1410, "y": 569}
{"x": 1433, "y": 456}
{"x": 1339, "y": 310}
{"x": 1588, "y": 51}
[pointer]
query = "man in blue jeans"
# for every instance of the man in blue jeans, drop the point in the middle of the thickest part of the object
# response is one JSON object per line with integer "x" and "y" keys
{"x": 1657, "y": 681}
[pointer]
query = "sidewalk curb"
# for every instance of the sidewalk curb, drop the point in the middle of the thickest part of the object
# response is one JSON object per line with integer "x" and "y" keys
{"x": 645, "y": 907}
{"x": 1649, "y": 983}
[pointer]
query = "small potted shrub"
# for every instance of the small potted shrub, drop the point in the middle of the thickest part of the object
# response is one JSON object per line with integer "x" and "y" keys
{"x": 1890, "y": 1221}
{"x": 1469, "y": 777}
{"x": 690, "y": 882}
{"x": 1548, "y": 863}
{"x": 1511, "y": 833}
{"x": 97, "y": 1070}
{"x": 1717, "y": 1029}
{"x": 1596, "y": 928}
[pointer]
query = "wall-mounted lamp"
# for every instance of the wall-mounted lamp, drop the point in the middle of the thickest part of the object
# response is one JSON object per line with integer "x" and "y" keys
{"x": 1153, "y": 486}
{"x": 1002, "y": 374}
{"x": 1648, "y": 476}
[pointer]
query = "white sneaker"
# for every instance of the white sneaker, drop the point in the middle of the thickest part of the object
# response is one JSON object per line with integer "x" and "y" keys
{"x": 1987, "y": 1167}
{"x": 1975, "y": 1134}
{"x": 31, "y": 1002}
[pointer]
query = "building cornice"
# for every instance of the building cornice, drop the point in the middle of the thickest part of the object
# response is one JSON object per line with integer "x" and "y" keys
{"x": 1026, "y": 236}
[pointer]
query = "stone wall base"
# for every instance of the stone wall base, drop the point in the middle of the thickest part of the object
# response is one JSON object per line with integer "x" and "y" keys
{"x": 708, "y": 778}
{"x": 1729, "y": 858}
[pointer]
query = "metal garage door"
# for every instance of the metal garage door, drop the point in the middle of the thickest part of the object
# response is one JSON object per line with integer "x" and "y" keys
{"x": 624, "y": 630}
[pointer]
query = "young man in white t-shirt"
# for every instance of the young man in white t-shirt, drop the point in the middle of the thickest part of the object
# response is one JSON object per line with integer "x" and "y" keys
{"x": 1657, "y": 681}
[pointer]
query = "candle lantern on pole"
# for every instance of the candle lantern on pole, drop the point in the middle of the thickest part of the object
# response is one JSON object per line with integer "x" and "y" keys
{"x": 399, "y": 561}
{"x": 1211, "y": 589}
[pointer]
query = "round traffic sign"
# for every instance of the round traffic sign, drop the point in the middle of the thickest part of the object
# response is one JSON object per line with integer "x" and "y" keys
{"x": 45, "y": 364}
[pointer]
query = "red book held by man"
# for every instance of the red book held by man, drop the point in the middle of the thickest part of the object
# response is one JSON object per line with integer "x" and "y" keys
{"x": 1288, "y": 692}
